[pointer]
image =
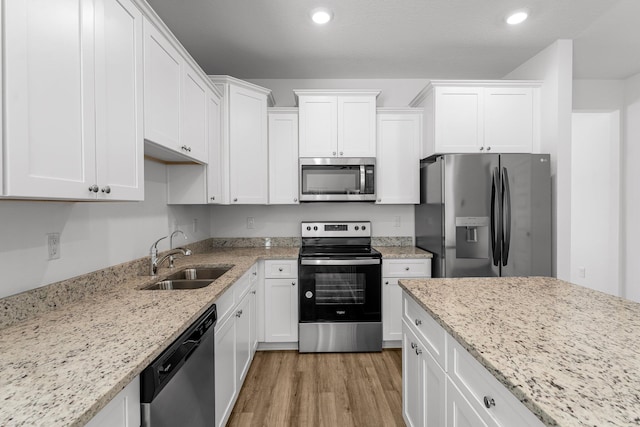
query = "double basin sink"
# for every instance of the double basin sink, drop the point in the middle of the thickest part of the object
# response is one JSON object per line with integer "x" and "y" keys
{"x": 189, "y": 278}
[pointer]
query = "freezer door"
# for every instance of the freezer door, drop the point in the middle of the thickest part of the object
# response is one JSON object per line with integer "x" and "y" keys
{"x": 526, "y": 201}
{"x": 469, "y": 237}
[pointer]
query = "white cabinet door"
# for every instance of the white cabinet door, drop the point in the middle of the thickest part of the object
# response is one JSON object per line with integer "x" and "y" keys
{"x": 509, "y": 119}
{"x": 225, "y": 369}
{"x": 283, "y": 158}
{"x": 459, "y": 119}
{"x": 412, "y": 398}
{"x": 119, "y": 94}
{"x": 244, "y": 319}
{"x": 318, "y": 126}
{"x": 216, "y": 168}
{"x": 122, "y": 411}
{"x": 193, "y": 125}
{"x": 49, "y": 123}
{"x": 398, "y": 161}
{"x": 459, "y": 411}
{"x": 162, "y": 89}
{"x": 391, "y": 310}
{"x": 357, "y": 126}
{"x": 281, "y": 310}
{"x": 248, "y": 146}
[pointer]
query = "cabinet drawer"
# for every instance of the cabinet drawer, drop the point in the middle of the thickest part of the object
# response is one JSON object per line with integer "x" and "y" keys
{"x": 476, "y": 383}
{"x": 242, "y": 285}
{"x": 281, "y": 269}
{"x": 427, "y": 329}
{"x": 406, "y": 267}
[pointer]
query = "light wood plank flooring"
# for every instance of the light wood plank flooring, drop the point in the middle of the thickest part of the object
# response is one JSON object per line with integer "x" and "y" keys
{"x": 285, "y": 388}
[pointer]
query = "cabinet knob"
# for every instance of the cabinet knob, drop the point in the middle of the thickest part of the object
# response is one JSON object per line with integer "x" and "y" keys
{"x": 280, "y": 269}
{"x": 334, "y": 153}
{"x": 386, "y": 283}
{"x": 185, "y": 148}
{"x": 488, "y": 148}
{"x": 489, "y": 402}
{"x": 413, "y": 345}
{"x": 418, "y": 322}
{"x": 235, "y": 200}
{"x": 379, "y": 200}
{"x": 93, "y": 188}
{"x": 253, "y": 292}
{"x": 213, "y": 197}
{"x": 106, "y": 189}
{"x": 295, "y": 199}
{"x": 239, "y": 313}
{"x": 341, "y": 153}
{"x": 406, "y": 268}
{"x": 418, "y": 352}
{"x": 481, "y": 148}
{"x": 293, "y": 283}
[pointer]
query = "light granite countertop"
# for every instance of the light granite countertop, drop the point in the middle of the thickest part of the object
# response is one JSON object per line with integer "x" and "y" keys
{"x": 60, "y": 367}
{"x": 570, "y": 354}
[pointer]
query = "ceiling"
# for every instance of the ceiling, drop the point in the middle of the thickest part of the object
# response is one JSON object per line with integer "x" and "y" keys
{"x": 270, "y": 39}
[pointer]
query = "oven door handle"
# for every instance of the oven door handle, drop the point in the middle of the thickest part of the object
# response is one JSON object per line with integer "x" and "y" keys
{"x": 353, "y": 261}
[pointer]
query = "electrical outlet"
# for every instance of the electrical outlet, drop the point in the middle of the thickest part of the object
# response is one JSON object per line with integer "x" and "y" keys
{"x": 194, "y": 228}
{"x": 251, "y": 223}
{"x": 53, "y": 245}
{"x": 582, "y": 272}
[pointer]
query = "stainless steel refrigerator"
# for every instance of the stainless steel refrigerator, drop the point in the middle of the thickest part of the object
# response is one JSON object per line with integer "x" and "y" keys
{"x": 485, "y": 215}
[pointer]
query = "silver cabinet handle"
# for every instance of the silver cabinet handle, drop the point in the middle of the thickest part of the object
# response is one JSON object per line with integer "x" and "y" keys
{"x": 213, "y": 197}
{"x": 481, "y": 148}
{"x": 489, "y": 402}
{"x": 334, "y": 153}
{"x": 406, "y": 268}
{"x": 293, "y": 283}
{"x": 93, "y": 188}
{"x": 488, "y": 148}
{"x": 341, "y": 153}
{"x": 418, "y": 351}
{"x": 379, "y": 200}
{"x": 280, "y": 269}
{"x": 185, "y": 148}
{"x": 386, "y": 283}
{"x": 239, "y": 313}
{"x": 295, "y": 199}
{"x": 106, "y": 189}
{"x": 235, "y": 200}
{"x": 413, "y": 345}
{"x": 418, "y": 322}
{"x": 253, "y": 292}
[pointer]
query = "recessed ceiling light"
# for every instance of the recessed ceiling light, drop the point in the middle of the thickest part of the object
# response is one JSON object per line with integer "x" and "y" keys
{"x": 517, "y": 18}
{"x": 321, "y": 15}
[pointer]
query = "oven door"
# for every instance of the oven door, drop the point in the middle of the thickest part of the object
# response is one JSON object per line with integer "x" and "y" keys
{"x": 340, "y": 290}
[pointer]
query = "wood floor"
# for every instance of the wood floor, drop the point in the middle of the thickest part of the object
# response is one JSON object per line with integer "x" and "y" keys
{"x": 285, "y": 388}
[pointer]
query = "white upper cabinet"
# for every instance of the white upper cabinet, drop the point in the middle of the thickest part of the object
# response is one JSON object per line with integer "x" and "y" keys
{"x": 283, "y": 156}
{"x": 398, "y": 160}
{"x": 175, "y": 101}
{"x": 244, "y": 140}
{"x": 216, "y": 169}
{"x": 72, "y": 100}
{"x": 501, "y": 116}
{"x": 337, "y": 123}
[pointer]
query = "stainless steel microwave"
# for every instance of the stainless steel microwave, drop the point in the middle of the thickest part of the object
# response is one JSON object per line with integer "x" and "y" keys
{"x": 342, "y": 179}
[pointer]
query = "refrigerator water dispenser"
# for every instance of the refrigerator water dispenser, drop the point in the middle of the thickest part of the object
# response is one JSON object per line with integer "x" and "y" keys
{"x": 472, "y": 237}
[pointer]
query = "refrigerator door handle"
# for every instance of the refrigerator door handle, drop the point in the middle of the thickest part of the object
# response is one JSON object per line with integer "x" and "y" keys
{"x": 496, "y": 222}
{"x": 506, "y": 212}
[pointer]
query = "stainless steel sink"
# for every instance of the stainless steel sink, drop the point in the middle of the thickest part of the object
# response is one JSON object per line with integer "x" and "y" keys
{"x": 189, "y": 278}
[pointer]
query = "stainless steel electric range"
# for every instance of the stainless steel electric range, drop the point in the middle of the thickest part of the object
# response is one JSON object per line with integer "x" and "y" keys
{"x": 340, "y": 278}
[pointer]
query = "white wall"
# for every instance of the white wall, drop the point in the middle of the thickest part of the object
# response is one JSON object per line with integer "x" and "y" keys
{"x": 631, "y": 189}
{"x": 92, "y": 235}
{"x": 284, "y": 221}
{"x": 598, "y": 95}
{"x": 554, "y": 66}
{"x": 395, "y": 92}
{"x": 595, "y": 201}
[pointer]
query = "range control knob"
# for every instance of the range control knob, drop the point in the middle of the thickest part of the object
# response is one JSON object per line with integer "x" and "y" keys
{"x": 315, "y": 228}
{"x": 308, "y": 228}
{"x": 364, "y": 228}
{"x": 308, "y": 294}
{"x": 357, "y": 228}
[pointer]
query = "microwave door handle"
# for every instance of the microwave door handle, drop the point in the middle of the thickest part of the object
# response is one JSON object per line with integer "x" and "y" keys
{"x": 362, "y": 179}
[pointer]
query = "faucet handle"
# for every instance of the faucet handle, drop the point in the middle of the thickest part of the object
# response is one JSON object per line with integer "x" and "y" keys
{"x": 154, "y": 247}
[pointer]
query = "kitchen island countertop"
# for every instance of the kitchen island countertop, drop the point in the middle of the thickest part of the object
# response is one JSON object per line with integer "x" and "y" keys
{"x": 570, "y": 354}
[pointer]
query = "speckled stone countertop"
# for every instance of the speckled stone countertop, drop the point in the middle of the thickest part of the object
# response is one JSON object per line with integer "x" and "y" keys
{"x": 403, "y": 252}
{"x": 570, "y": 354}
{"x": 61, "y": 367}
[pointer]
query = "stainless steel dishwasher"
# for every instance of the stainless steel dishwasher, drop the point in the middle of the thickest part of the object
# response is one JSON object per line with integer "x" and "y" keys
{"x": 177, "y": 389}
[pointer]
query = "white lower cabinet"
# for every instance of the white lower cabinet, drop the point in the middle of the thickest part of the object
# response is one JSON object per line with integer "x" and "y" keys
{"x": 122, "y": 411}
{"x": 423, "y": 386}
{"x": 441, "y": 380}
{"x": 392, "y": 271}
{"x": 235, "y": 342}
{"x": 281, "y": 301}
